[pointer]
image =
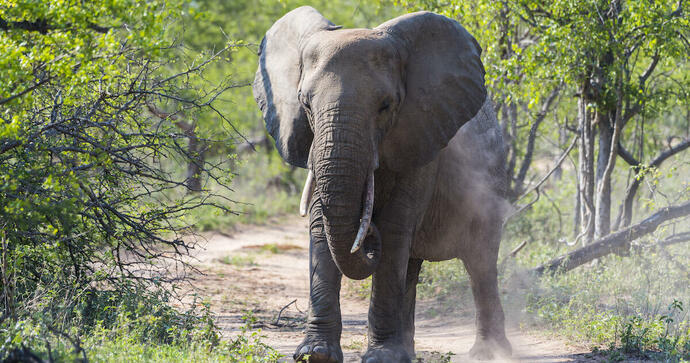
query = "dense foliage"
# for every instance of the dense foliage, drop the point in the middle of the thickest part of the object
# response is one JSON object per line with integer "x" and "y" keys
{"x": 92, "y": 200}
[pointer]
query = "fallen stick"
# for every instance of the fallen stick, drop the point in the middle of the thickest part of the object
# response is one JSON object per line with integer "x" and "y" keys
{"x": 281, "y": 311}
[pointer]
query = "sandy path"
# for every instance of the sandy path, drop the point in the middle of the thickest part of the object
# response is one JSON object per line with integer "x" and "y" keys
{"x": 241, "y": 275}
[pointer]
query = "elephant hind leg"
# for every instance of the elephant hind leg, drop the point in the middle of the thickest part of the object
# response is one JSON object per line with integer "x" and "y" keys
{"x": 414, "y": 266}
{"x": 490, "y": 320}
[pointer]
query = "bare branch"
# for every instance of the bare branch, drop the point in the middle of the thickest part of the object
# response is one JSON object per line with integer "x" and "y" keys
{"x": 527, "y": 160}
{"x": 627, "y": 210}
{"x": 185, "y": 126}
{"x": 22, "y": 93}
{"x": 42, "y": 26}
{"x": 630, "y": 112}
{"x": 556, "y": 166}
{"x": 650, "y": 69}
{"x": 283, "y": 309}
{"x": 250, "y": 144}
{"x": 675, "y": 239}
{"x": 627, "y": 156}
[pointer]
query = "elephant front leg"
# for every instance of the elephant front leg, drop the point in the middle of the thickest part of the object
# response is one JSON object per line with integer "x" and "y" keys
{"x": 386, "y": 309}
{"x": 414, "y": 266}
{"x": 324, "y": 326}
{"x": 391, "y": 310}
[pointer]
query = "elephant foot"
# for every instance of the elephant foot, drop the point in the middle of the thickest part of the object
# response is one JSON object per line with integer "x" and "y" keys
{"x": 318, "y": 350}
{"x": 386, "y": 354}
{"x": 489, "y": 348}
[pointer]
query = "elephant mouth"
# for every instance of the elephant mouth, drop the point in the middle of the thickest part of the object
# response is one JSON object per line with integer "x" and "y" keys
{"x": 367, "y": 234}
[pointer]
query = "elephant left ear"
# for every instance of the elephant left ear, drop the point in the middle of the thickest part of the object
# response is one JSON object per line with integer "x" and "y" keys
{"x": 444, "y": 86}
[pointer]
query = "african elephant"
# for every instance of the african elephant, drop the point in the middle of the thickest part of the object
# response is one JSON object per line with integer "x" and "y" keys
{"x": 374, "y": 115}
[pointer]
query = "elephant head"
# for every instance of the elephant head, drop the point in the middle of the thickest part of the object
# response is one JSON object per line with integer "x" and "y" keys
{"x": 342, "y": 101}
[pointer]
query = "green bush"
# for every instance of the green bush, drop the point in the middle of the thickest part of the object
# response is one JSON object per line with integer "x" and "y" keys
{"x": 92, "y": 189}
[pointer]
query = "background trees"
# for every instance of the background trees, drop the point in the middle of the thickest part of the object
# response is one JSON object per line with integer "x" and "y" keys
{"x": 621, "y": 58}
{"x": 606, "y": 73}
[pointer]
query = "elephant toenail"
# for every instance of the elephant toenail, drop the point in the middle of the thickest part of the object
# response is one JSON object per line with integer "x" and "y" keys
{"x": 320, "y": 350}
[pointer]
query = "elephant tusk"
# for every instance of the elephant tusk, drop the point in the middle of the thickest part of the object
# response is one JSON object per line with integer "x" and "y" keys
{"x": 306, "y": 194}
{"x": 366, "y": 214}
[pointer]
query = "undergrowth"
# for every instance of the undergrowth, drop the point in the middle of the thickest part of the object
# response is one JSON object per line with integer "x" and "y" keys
{"x": 634, "y": 306}
{"x": 247, "y": 346}
{"x": 152, "y": 331}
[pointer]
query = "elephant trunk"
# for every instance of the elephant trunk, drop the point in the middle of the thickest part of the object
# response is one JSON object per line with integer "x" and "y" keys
{"x": 343, "y": 169}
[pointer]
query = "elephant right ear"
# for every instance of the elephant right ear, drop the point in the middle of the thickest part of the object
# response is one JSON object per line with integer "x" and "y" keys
{"x": 277, "y": 79}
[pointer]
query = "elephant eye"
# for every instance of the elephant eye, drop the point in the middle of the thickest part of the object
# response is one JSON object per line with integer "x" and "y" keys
{"x": 384, "y": 106}
{"x": 303, "y": 100}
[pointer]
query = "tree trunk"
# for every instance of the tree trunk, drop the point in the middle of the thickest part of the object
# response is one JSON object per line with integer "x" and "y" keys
{"x": 196, "y": 159}
{"x": 562, "y": 140}
{"x": 586, "y": 171}
{"x": 6, "y": 278}
{"x": 602, "y": 224}
{"x": 576, "y": 214}
{"x": 195, "y": 153}
{"x": 518, "y": 189}
{"x": 195, "y": 149}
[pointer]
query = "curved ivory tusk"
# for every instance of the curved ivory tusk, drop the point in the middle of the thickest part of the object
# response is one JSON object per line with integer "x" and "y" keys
{"x": 306, "y": 194}
{"x": 366, "y": 214}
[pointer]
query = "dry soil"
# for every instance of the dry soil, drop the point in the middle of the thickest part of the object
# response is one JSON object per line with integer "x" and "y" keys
{"x": 264, "y": 269}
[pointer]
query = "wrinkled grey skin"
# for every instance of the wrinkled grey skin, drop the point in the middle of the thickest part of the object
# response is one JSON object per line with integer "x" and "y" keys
{"x": 343, "y": 102}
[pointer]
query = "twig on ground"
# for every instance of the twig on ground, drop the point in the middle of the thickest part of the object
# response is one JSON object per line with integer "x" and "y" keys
{"x": 281, "y": 312}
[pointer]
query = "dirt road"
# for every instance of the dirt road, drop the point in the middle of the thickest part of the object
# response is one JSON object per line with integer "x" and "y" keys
{"x": 264, "y": 269}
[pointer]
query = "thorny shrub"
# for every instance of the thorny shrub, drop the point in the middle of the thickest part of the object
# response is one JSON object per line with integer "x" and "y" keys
{"x": 92, "y": 194}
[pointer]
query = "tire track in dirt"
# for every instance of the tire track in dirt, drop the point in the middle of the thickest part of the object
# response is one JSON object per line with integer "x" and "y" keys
{"x": 265, "y": 268}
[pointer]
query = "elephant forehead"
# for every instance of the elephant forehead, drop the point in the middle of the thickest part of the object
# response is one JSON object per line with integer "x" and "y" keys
{"x": 349, "y": 45}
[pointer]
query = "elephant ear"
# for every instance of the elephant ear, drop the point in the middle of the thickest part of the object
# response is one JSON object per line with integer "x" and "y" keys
{"x": 444, "y": 86}
{"x": 277, "y": 79}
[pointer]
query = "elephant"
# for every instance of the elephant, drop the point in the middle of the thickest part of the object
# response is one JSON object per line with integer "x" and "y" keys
{"x": 376, "y": 116}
